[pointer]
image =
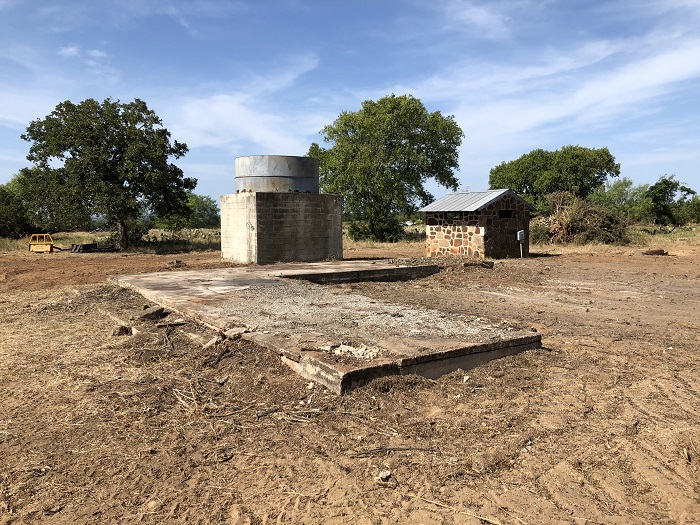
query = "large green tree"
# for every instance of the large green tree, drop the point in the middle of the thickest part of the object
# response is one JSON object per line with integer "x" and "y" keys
{"x": 111, "y": 158}
{"x": 380, "y": 158}
{"x": 668, "y": 197}
{"x": 572, "y": 169}
{"x": 13, "y": 221}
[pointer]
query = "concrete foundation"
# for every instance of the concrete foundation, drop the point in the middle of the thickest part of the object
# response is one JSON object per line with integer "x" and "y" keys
{"x": 339, "y": 340}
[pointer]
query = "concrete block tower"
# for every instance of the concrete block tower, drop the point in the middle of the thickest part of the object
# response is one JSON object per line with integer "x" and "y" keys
{"x": 277, "y": 214}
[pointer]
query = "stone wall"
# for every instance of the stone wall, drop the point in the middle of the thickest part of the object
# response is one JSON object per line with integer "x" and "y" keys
{"x": 265, "y": 228}
{"x": 491, "y": 232}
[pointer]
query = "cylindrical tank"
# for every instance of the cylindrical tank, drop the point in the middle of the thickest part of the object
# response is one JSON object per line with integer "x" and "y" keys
{"x": 276, "y": 173}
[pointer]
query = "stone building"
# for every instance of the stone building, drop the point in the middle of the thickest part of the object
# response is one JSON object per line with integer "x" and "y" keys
{"x": 479, "y": 224}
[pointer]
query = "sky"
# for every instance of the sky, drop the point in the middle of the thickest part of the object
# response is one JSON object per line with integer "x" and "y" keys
{"x": 262, "y": 77}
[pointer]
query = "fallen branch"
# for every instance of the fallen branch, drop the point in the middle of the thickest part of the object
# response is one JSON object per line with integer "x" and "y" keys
{"x": 168, "y": 342}
{"x": 444, "y": 506}
{"x": 379, "y": 450}
{"x": 229, "y": 414}
{"x": 213, "y": 361}
{"x": 267, "y": 412}
{"x": 299, "y": 416}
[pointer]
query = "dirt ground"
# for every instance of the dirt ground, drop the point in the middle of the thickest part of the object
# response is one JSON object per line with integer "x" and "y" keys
{"x": 602, "y": 425}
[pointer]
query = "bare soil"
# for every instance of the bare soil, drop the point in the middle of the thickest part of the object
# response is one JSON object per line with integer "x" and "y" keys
{"x": 602, "y": 425}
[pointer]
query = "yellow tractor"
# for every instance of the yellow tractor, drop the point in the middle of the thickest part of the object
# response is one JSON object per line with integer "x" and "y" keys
{"x": 41, "y": 243}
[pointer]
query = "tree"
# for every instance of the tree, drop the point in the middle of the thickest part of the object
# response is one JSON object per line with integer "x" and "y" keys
{"x": 624, "y": 197}
{"x": 50, "y": 202}
{"x": 380, "y": 158}
{"x": 667, "y": 196}
{"x": 202, "y": 212}
{"x": 572, "y": 169}
{"x": 13, "y": 221}
{"x": 113, "y": 158}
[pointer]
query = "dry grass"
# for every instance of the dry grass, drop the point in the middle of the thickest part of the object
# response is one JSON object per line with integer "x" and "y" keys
{"x": 676, "y": 240}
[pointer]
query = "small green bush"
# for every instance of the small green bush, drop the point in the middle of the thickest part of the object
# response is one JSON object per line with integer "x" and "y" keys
{"x": 386, "y": 229}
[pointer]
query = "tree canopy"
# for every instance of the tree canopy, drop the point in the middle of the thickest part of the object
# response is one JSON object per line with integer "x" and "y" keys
{"x": 109, "y": 159}
{"x": 12, "y": 214}
{"x": 48, "y": 201}
{"x": 622, "y": 195}
{"x": 202, "y": 212}
{"x": 668, "y": 197}
{"x": 572, "y": 169}
{"x": 380, "y": 158}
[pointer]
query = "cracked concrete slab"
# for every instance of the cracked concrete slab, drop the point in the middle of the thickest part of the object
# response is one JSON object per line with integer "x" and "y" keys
{"x": 337, "y": 339}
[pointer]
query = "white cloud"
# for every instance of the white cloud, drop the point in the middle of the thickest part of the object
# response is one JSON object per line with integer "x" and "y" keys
{"x": 21, "y": 107}
{"x": 229, "y": 121}
{"x": 69, "y": 51}
{"x": 484, "y": 20}
{"x": 247, "y": 114}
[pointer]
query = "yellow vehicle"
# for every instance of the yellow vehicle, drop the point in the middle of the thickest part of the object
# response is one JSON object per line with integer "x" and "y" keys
{"x": 41, "y": 243}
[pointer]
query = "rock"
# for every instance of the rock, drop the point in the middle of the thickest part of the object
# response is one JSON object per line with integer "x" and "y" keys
{"x": 176, "y": 322}
{"x": 121, "y": 330}
{"x": 154, "y": 312}
{"x": 212, "y": 342}
{"x": 235, "y": 333}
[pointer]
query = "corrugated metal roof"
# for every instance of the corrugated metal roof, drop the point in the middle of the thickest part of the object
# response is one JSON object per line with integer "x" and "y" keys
{"x": 468, "y": 201}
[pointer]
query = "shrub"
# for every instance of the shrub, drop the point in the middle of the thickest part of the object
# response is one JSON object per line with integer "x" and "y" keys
{"x": 574, "y": 220}
{"x": 383, "y": 229}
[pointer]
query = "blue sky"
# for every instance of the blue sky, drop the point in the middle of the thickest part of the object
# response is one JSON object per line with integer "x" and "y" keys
{"x": 256, "y": 77}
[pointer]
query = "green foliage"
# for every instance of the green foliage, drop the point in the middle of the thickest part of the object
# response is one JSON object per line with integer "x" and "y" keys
{"x": 108, "y": 159}
{"x": 574, "y": 220}
{"x": 625, "y": 198}
{"x": 202, "y": 212}
{"x": 380, "y": 158}
{"x": 184, "y": 240}
{"x": 13, "y": 221}
{"x": 135, "y": 230}
{"x": 668, "y": 197}
{"x": 689, "y": 211}
{"x": 383, "y": 229}
{"x": 50, "y": 201}
{"x": 573, "y": 169}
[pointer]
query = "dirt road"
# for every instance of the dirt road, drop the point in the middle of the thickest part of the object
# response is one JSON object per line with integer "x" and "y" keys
{"x": 600, "y": 426}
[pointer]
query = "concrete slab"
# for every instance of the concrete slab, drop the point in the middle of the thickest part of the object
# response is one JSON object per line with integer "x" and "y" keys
{"x": 340, "y": 340}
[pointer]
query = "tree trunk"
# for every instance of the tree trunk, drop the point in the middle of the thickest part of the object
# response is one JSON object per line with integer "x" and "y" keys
{"x": 122, "y": 240}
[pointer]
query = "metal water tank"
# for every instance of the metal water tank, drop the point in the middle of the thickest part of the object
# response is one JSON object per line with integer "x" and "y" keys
{"x": 276, "y": 173}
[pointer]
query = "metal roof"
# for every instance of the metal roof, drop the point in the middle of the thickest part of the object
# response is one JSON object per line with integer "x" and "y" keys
{"x": 469, "y": 201}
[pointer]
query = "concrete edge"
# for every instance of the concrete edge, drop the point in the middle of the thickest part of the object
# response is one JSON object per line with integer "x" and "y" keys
{"x": 466, "y": 349}
{"x": 401, "y": 273}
